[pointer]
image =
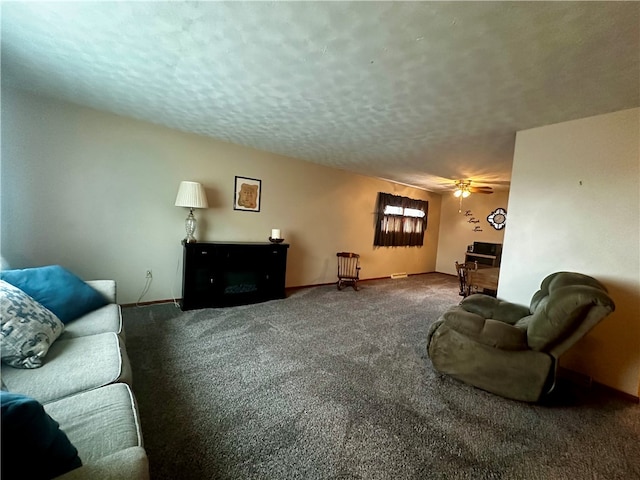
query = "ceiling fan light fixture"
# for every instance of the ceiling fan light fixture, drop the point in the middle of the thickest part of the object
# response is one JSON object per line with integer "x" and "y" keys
{"x": 463, "y": 189}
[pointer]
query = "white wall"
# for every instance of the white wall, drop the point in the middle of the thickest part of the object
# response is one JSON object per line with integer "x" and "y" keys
{"x": 575, "y": 205}
{"x": 457, "y": 230}
{"x": 95, "y": 192}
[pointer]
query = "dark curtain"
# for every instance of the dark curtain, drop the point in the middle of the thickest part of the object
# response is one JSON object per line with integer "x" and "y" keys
{"x": 398, "y": 230}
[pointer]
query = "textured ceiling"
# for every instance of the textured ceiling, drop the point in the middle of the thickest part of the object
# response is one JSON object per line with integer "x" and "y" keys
{"x": 416, "y": 92}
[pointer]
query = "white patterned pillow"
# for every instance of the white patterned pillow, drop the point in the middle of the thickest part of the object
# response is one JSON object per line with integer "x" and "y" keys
{"x": 28, "y": 328}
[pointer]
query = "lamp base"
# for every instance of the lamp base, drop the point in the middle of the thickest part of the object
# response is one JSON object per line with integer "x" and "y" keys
{"x": 190, "y": 226}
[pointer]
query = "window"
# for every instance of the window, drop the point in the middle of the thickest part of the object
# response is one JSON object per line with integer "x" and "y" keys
{"x": 407, "y": 212}
{"x": 400, "y": 221}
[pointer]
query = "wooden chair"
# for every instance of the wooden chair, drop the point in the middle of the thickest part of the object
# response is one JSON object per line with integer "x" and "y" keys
{"x": 463, "y": 270}
{"x": 348, "y": 269}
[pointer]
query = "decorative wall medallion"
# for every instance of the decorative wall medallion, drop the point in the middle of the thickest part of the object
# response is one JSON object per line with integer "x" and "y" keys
{"x": 498, "y": 218}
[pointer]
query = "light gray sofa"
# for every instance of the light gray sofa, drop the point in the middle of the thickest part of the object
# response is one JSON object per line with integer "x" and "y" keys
{"x": 85, "y": 385}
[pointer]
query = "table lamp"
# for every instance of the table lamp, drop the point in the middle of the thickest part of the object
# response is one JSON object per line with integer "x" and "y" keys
{"x": 191, "y": 195}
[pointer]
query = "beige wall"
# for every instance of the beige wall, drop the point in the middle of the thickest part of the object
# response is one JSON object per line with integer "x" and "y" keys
{"x": 94, "y": 192}
{"x": 457, "y": 230}
{"x": 575, "y": 205}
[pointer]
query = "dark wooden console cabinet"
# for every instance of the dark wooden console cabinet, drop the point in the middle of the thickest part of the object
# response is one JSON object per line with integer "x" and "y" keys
{"x": 220, "y": 274}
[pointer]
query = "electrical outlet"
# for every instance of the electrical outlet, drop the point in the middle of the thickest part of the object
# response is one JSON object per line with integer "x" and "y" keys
{"x": 149, "y": 274}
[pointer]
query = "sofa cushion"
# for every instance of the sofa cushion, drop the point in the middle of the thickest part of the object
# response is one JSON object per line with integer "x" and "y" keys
{"x": 103, "y": 320}
{"x": 73, "y": 365}
{"x": 99, "y": 422}
{"x": 59, "y": 290}
{"x": 33, "y": 446}
{"x": 28, "y": 328}
{"x": 130, "y": 463}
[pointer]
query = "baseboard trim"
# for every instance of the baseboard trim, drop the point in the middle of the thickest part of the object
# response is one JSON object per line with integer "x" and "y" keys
{"x": 364, "y": 280}
{"x": 576, "y": 378}
{"x": 152, "y": 302}
{"x": 586, "y": 381}
{"x": 287, "y": 290}
{"x": 618, "y": 393}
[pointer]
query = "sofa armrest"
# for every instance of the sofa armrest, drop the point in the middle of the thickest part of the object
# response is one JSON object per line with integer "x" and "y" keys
{"x": 128, "y": 464}
{"x": 490, "y": 307}
{"x": 106, "y": 287}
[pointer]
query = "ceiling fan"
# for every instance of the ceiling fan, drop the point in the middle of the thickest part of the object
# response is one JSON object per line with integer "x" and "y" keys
{"x": 464, "y": 189}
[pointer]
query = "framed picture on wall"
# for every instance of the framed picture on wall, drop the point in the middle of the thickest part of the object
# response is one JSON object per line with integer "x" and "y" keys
{"x": 246, "y": 194}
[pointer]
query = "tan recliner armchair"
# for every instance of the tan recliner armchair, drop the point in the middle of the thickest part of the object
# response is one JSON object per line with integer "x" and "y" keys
{"x": 512, "y": 350}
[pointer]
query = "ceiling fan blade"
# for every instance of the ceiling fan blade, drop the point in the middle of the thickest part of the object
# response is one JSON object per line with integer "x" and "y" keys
{"x": 481, "y": 190}
{"x": 466, "y": 185}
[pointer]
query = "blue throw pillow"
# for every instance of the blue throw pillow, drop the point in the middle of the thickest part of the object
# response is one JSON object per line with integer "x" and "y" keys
{"x": 33, "y": 446}
{"x": 57, "y": 289}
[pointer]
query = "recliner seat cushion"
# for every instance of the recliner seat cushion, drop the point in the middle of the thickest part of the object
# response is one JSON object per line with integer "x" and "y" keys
{"x": 490, "y": 307}
{"x": 486, "y": 331}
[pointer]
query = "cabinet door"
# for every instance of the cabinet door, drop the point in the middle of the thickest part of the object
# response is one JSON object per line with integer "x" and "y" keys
{"x": 276, "y": 266}
{"x": 200, "y": 281}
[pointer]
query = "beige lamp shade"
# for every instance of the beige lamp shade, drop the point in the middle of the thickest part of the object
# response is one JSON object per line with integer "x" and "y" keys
{"x": 191, "y": 195}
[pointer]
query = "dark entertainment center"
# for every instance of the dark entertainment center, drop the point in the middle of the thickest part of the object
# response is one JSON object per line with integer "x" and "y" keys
{"x": 218, "y": 274}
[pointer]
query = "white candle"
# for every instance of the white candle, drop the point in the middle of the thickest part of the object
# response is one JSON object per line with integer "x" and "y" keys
{"x": 275, "y": 233}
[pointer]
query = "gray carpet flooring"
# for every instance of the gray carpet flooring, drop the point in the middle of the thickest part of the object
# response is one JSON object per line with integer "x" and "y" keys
{"x": 338, "y": 385}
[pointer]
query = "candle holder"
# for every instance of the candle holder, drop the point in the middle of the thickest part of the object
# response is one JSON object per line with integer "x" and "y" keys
{"x": 276, "y": 240}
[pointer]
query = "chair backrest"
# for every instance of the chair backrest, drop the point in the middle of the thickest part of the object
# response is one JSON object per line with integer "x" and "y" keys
{"x": 348, "y": 265}
{"x": 462, "y": 269}
{"x": 565, "y": 308}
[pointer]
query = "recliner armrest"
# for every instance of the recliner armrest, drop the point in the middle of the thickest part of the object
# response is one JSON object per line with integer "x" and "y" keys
{"x": 490, "y": 332}
{"x": 490, "y": 307}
